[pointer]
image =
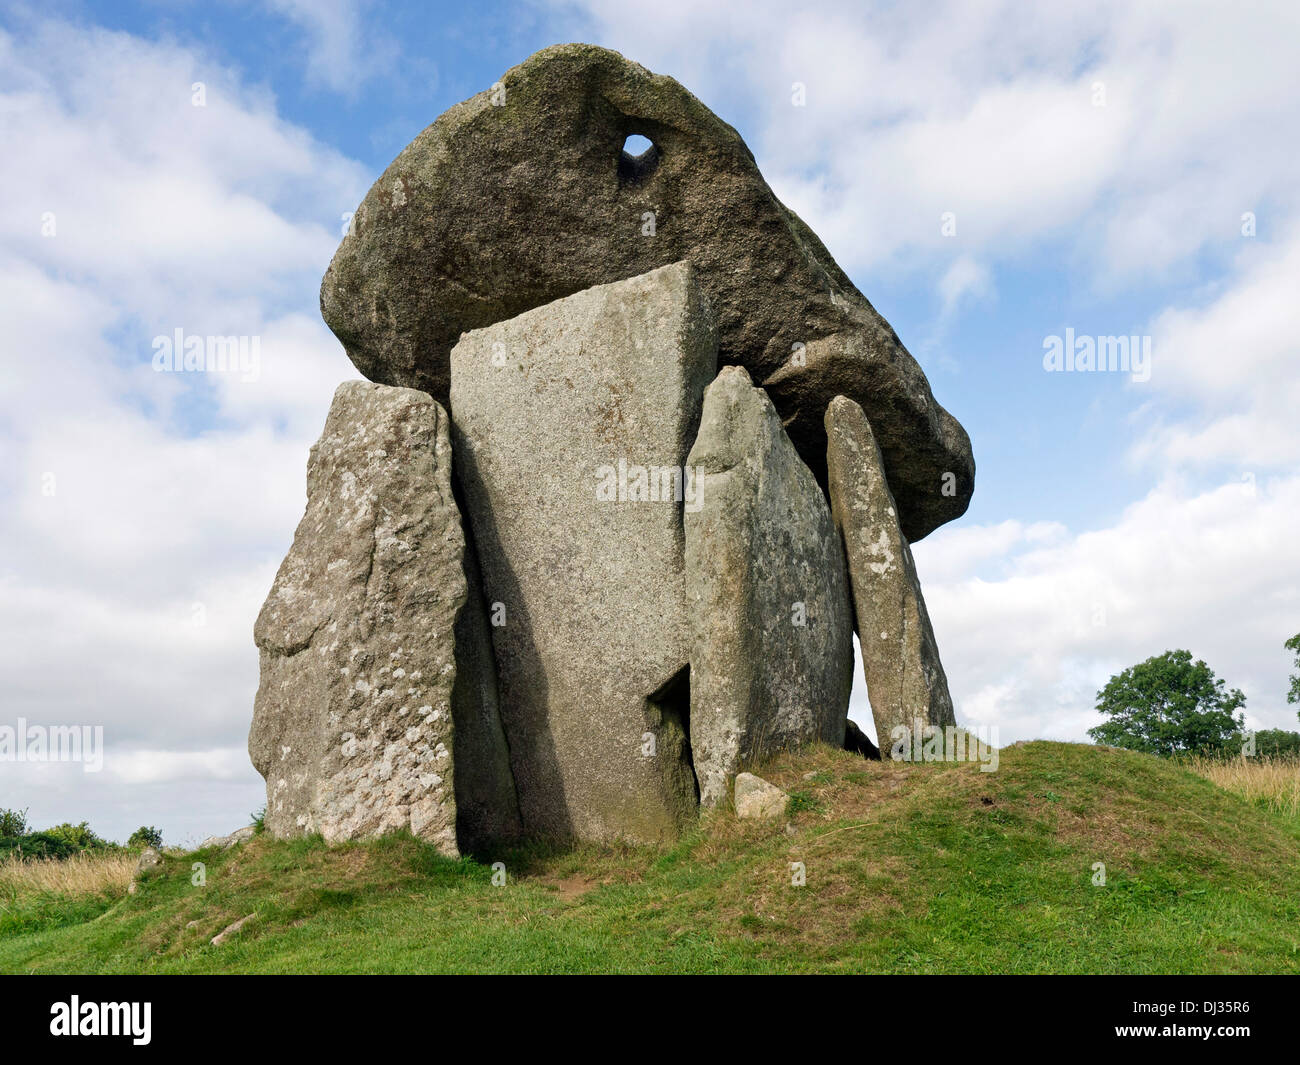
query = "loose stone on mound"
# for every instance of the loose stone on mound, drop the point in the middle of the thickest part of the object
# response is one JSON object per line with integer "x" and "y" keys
{"x": 905, "y": 679}
{"x": 772, "y": 651}
{"x": 356, "y": 724}
{"x": 240, "y": 835}
{"x": 572, "y": 425}
{"x": 524, "y": 194}
{"x": 758, "y": 798}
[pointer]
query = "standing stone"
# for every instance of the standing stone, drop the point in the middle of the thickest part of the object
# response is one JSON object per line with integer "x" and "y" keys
{"x": 772, "y": 654}
{"x": 905, "y": 679}
{"x": 572, "y": 425}
{"x": 524, "y": 194}
{"x": 357, "y": 725}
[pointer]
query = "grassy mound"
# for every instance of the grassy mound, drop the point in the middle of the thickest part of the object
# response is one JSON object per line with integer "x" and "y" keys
{"x": 925, "y": 868}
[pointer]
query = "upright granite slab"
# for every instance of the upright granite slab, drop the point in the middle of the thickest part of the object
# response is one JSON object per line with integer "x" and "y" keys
{"x": 363, "y": 723}
{"x": 772, "y": 633}
{"x": 524, "y": 194}
{"x": 572, "y": 425}
{"x": 905, "y": 679}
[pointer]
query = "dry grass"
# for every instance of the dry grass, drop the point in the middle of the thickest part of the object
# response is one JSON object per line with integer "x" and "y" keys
{"x": 1273, "y": 783}
{"x": 85, "y": 874}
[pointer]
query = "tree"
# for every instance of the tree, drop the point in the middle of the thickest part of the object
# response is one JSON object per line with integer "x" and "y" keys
{"x": 13, "y": 823}
{"x": 1277, "y": 743}
{"x": 145, "y": 836}
{"x": 1293, "y": 644}
{"x": 78, "y": 836}
{"x": 1169, "y": 704}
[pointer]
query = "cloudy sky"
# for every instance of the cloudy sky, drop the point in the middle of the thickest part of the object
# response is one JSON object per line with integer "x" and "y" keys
{"x": 990, "y": 174}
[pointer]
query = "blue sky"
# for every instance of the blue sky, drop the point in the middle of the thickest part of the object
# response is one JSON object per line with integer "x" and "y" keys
{"x": 1098, "y": 159}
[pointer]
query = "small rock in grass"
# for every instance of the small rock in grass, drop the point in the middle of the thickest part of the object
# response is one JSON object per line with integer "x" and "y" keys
{"x": 756, "y": 798}
{"x": 149, "y": 860}
{"x": 240, "y": 835}
{"x": 231, "y": 930}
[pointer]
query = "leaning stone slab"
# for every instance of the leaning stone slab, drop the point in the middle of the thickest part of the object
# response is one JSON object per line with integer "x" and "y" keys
{"x": 357, "y": 727}
{"x": 572, "y": 425}
{"x": 524, "y": 194}
{"x": 772, "y": 650}
{"x": 905, "y": 679}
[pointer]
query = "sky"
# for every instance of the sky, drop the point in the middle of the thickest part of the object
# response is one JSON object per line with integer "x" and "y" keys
{"x": 990, "y": 175}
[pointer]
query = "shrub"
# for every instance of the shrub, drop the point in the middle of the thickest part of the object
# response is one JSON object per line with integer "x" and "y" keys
{"x": 145, "y": 836}
{"x": 37, "y": 845}
{"x": 13, "y": 822}
{"x": 79, "y": 836}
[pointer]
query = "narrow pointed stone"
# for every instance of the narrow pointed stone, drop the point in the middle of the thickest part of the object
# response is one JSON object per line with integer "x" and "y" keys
{"x": 905, "y": 679}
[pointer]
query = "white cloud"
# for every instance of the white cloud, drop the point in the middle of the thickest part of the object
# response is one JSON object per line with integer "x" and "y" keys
{"x": 1030, "y": 626}
{"x": 1233, "y": 360}
{"x": 342, "y": 49}
{"x": 157, "y": 767}
{"x": 965, "y": 281}
{"x": 144, "y": 513}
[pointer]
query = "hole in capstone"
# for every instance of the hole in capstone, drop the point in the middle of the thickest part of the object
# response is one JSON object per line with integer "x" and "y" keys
{"x": 638, "y": 159}
{"x": 637, "y": 145}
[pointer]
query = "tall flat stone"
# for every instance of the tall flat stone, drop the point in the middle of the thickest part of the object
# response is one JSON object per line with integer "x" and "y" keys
{"x": 905, "y": 679}
{"x": 363, "y": 723}
{"x": 572, "y": 425}
{"x": 772, "y": 648}
{"x": 524, "y": 194}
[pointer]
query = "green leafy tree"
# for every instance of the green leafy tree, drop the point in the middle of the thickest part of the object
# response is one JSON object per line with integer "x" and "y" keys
{"x": 1277, "y": 743}
{"x": 145, "y": 836}
{"x": 1293, "y": 644}
{"x": 1169, "y": 704}
{"x": 78, "y": 836}
{"x": 13, "y": 822}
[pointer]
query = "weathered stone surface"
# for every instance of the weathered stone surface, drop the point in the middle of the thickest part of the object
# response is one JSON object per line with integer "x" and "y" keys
{"x": 757, "y": 798}
{"x": 555, "y": 413}
{"x": 905, "y": 679}
{"x": 523, "y": 194}
{"x": 148, "y": 861}
{"x": 772, "y": 653}
{"x": 357, "y": 726}
{"x": 240, "y": 835}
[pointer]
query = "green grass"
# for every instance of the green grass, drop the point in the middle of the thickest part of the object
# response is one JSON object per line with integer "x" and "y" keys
{"x": 928, "y": 868}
